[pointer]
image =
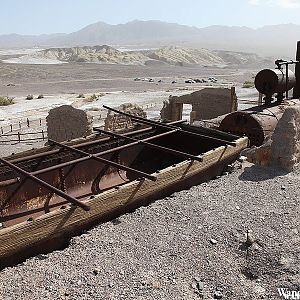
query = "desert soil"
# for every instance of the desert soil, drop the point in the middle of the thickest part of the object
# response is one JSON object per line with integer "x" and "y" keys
{"x": 190, "y": 245}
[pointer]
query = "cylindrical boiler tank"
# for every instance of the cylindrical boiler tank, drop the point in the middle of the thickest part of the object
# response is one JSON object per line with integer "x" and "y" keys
{"x": 271, "y": 81}
{"x": 256, "y": 123}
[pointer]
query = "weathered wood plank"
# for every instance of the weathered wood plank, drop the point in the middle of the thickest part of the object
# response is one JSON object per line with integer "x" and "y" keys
{"x": 18, "y": 237}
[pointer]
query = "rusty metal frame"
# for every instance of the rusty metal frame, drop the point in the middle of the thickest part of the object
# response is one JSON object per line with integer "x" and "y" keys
{"x": 151, "y": 145}
{"x": 168, "y": 126}
{"x": 85, "y": 158}
{"x": 103, "y": 160}
{"x": 84, "y": 144}
{"x": 45, "y": 184}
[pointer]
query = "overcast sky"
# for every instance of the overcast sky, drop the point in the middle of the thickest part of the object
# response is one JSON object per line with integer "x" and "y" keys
{"x": 51, "y": 16}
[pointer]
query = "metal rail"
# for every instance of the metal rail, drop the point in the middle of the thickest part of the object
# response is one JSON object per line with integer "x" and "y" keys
{"x": 154, "y": 146}
{"x": 168, "y": 126}
{"x": 103, "y": 160}
{"x": 46, "y": 185}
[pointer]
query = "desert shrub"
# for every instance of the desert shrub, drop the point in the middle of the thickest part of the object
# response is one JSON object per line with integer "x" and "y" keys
{"x": 40, "y": 96}
{"x": 4, "y": 101}
{"x": 29, "y": 97}
{"x": 94, "y": 109}
{"x": 92, "y": 98}
{"x": 248, "y": 84}
{"x": 80, "y": 96}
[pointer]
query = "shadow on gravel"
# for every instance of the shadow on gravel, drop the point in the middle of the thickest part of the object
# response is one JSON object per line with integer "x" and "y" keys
{"x": 259, "y": 173}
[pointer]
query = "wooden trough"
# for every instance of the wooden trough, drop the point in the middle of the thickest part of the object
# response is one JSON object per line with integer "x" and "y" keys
{"x": 55, "y": 192}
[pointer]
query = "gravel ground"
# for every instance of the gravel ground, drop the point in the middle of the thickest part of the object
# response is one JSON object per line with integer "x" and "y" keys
{"x": 190, "y": 245}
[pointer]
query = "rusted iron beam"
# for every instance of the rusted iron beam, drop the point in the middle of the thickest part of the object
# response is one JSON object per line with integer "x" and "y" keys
{"x": 81, "y": 159}
{"x": 168, "y": 126}
{"x": 9, "y": 182}
{"x": 154, "y": 146}
{"x": 61, "y": 165}
{"x": 135, "y": 143}
{"x": 45, "y": 184}
{"x": 85, "y": 144}
{"x": 105, "y": 161}
{"x": 85, "y": 158}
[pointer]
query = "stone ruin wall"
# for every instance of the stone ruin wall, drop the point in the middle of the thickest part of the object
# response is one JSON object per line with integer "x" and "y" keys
{"x": 207, "y": 103}
{"x": 66, "y": 123}
{"x": 116, "y": 121}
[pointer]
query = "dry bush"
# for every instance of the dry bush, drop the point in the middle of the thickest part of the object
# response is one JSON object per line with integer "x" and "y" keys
{"x": 4, "y": 101}
{"x": 248, "y": 84}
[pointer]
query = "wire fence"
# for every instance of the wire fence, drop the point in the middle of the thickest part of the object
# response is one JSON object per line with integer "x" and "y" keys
{"x": 21, "y": 125}
{"x": 23, "y": 137}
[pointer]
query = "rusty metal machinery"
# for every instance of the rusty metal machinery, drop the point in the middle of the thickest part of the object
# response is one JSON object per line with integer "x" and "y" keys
{"x": 276, "y": 81}
{"x": 257, "y": 123}
{"x": 271, "y": 81}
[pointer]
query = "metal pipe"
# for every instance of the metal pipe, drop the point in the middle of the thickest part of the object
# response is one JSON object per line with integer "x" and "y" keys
{"x": 61, "y": 165}
{"x": 168, "y": 126}
{"x": 46, "y": 185}
{"x": 105, "y": 161}
{"x": 154, "y": 146}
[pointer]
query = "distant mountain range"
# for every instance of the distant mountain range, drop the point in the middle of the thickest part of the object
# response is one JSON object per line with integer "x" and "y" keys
{"x": 276, "y": 40}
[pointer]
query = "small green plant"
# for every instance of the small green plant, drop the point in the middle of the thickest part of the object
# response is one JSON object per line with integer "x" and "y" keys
{"x": 29, "y": 97}
{"x": 4, "y": 101}
{"x": 248, "y": 84}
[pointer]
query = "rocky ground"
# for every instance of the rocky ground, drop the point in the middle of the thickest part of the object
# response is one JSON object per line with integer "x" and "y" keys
{"x": 190, "y": 245}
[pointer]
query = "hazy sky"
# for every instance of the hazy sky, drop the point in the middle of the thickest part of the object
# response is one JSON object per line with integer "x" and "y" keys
{"x": 50, "y": 16}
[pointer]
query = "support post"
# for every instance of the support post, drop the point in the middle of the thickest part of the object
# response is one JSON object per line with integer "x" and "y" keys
{"x": 296, "y": 92}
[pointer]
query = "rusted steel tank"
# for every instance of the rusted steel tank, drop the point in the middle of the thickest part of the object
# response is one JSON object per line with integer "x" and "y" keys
{"x": 271, "y": 81}
{"x": 257, "y": 123}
